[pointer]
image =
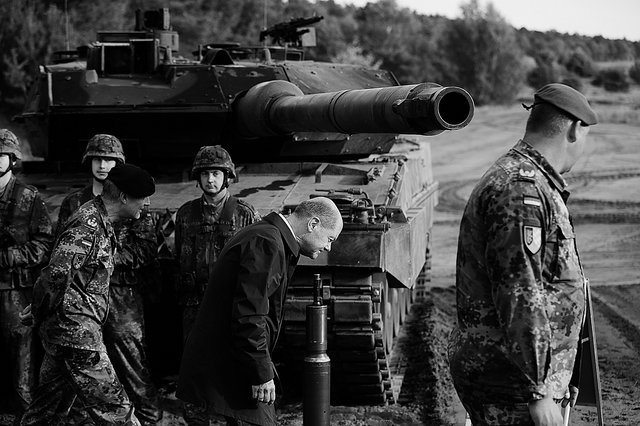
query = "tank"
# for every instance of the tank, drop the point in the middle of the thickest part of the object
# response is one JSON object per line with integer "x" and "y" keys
{"x": 296, "y": 129}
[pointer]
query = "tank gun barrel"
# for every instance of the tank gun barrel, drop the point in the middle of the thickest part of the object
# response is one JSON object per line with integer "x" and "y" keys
{"x": 279, "y": 107}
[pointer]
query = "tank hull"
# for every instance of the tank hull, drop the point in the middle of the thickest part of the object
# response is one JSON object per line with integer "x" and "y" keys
{"x": 295, "y": 129}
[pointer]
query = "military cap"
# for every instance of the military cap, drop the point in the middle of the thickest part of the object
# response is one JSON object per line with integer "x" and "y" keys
{"x": 9, "y": 143}
{"x": 132, "y": 180}
{"x": 568, "y": 100}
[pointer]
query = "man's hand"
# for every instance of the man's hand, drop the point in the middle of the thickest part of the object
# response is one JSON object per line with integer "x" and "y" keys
{"x": 26, "y": 317}
{"x": 265, "y": 392}
{"x": 545, "y": 412}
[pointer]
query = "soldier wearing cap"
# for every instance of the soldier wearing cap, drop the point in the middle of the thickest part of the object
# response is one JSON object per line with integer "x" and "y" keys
{"x": 521, "y": 290}
{"x": 136, "y": 249}
{"x": 71, "y": 303}
{"x": 203, "y": 226}
{"x": 25, "y": 244}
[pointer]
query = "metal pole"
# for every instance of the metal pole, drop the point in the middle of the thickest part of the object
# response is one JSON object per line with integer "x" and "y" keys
{"x": 66, "y": 26}
{"x": 317, "y": 365}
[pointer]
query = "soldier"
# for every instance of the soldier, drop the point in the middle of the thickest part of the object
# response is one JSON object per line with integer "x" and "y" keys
{"x": 136, "y": 248}
{"x": 203, "y": 226}
{"x": 521, "y": 291}
{"x": 71, "y": 301}
{"x": 25, "y": 243}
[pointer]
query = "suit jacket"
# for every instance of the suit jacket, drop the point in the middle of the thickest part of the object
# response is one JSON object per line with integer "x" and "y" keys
{"x": 237, "y": 326}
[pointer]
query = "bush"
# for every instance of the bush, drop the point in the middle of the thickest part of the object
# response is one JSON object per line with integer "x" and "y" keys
{"x": 580, "y": 63}
{"x": 543, "y": 74}
{"x": 573, "y": 81}
{"x": 613, "y": 80}
{"x": 634, "y": 72}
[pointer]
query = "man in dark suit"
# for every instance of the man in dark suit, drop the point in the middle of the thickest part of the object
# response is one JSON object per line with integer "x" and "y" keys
{"x": 226, "y": 365}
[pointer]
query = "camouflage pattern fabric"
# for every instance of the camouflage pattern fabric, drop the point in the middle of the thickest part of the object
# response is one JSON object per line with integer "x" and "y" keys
{"x": 520, "y": 291}
{"x": 9, "y": 143}
{"x": 102, "y": 145}
{"x": 71, "y": 203}
{"x": 71, "y": 301}
{"x": 71, "y": 297}
{"x": 123, "y": 331}
{"x": 86, "y": 378}
{"x": 25, "y": 235}
{"x": 200, "y": 235}
{"x": 25, "y": 244}
{"x": 212, "y": 157}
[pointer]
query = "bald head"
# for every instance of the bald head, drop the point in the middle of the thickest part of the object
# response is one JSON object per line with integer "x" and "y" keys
{"x": 316, "y": 224}
{"x": 322, "y": 208}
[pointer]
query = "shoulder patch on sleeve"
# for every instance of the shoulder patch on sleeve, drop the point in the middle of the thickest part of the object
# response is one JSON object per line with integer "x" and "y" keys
{"x": 532, "y": 236}
{"x": 92, "y": 223}
{"x": 527, "y": 171}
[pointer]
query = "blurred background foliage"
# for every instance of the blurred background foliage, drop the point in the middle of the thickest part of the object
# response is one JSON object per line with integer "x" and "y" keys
{"x": 479, "y": 51}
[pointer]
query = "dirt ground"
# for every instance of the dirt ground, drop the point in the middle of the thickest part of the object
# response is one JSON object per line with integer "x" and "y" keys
{"x": 605, "y": 203}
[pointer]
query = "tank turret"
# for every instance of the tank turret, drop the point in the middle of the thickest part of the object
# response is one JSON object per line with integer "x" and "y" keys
{"x": 295, "y": 129}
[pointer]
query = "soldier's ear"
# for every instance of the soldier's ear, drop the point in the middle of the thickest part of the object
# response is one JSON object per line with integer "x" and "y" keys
{"x": 574, "y": 131}
{"x": 123, "y": 198}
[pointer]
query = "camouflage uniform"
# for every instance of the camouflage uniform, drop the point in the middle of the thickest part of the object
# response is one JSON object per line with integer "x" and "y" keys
{"x": 520, "y": 291}
{"x": 25, "y": 244}
{"x": 71, "y": 203}
{"x": 202, "y": 229}
{"x": 70, "y": 306}
{"x": 124, "y": 329}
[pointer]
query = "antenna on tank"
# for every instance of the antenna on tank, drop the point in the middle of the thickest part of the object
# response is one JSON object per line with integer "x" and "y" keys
{"x": 264, "y": 18}
{"x": 66, "y": 26}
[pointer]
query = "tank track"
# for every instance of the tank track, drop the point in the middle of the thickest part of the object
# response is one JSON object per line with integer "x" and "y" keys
{"x": 364, "y": 321}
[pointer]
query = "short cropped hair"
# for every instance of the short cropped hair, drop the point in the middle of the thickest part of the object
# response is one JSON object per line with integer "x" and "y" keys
{"x": 110, "y": 191}
{"x": 548, "y": 120}
{"x": 327, "y": 213}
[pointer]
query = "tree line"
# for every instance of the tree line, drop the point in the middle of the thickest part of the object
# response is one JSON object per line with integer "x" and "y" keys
{"x": 479, "y": 51}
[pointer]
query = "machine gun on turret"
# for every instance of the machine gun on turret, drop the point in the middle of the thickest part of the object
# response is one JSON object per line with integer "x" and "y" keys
{"x": 290, "y": 32}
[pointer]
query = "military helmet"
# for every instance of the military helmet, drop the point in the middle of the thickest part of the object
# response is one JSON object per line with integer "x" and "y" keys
{"x": 9, "y": 143}
{"x": 102, "y": 145}
{"x": 212, "y": 157}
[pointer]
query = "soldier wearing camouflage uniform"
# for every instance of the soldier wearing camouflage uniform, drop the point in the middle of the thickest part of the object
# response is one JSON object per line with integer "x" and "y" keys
{"x": 521, "y": 291}
{"x": 203, "y": 226}
{"x": 136, "y": 248}
{"x": 25, "y": 244}
{"x": 70, "y": 306}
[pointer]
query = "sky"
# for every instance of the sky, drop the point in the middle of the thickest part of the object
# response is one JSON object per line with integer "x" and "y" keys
{"x": 613, "y": 19}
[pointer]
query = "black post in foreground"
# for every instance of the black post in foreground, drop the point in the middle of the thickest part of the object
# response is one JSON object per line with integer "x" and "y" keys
{"x": 317, "y": 365}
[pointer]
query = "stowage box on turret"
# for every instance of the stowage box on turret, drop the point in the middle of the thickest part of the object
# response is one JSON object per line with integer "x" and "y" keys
{"x": 296, "y": 129}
